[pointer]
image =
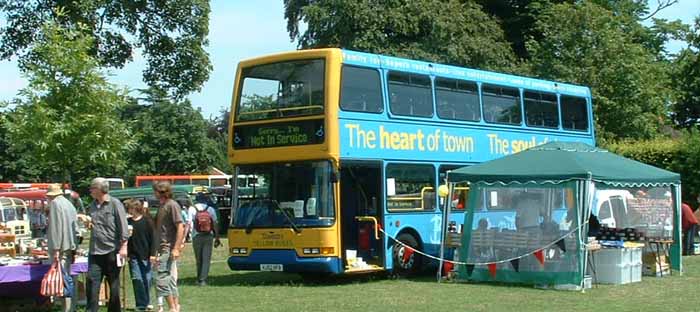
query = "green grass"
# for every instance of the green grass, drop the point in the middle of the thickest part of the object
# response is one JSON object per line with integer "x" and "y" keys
{"x": 258, "y": 291}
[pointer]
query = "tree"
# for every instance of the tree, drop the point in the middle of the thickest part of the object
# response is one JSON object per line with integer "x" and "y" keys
{"x": 16, "y": 164}
{"x": 218, "y": 131}
{"x": 172, "y": 35}
{"x": 66, "y": 117}
{"x": 587, "y": 44}
{"x": 171, "y": 137}
{"x": 448, "y": 32}
{"x": 686, "y": 77}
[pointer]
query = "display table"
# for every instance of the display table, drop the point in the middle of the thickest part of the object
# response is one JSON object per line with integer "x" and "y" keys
{"x": 25, "y": 280}
{"x": 662, "y": 248}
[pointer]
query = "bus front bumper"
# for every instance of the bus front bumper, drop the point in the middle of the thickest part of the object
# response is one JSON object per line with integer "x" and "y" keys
{"x": 288, "y": 259}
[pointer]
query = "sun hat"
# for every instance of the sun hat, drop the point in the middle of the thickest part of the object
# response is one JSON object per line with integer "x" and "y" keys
{"x": 54, "y": 190}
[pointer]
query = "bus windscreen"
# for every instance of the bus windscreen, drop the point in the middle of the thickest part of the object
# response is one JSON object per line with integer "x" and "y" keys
{"x": 284, "y": 89}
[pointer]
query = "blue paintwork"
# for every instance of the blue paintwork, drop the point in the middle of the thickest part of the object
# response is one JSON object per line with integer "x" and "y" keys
{"x": 289, "y": 259}
{"x": 371, "y": 138}
{"x": 368, "y": 136}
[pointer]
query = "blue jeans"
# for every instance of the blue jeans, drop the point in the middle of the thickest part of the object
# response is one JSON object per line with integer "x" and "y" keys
{"x": 141, "y": 279}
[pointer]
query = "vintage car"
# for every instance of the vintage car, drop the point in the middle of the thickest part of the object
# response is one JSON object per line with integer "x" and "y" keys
{"x": 14, "y": 218}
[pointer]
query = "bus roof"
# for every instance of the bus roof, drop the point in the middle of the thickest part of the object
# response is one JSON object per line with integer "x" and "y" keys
{"x": 448, "y": 71}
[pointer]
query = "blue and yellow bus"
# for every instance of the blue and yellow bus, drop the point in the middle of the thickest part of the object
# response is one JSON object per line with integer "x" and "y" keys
{"x": 352, "y": 146}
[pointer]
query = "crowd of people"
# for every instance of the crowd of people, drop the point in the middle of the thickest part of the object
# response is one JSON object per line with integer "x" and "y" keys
{"x": 124, "y": 233}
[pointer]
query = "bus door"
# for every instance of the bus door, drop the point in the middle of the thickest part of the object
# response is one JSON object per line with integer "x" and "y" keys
{"x": 361, "y": 215}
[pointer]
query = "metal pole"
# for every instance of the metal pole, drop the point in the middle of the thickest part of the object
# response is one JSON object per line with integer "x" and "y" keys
{"x": 445, "y": 221}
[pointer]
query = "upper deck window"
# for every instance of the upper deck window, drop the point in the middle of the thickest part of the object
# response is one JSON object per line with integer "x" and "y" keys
{"x": 574, "y": 113}
{"x": 457, "y": 99}
{"x": 410, "y": 94}
{"x": 284, "y": 89}
{"x": 541, "y": 109}
{"x": 501, "y": 104}
{"x": 361, "y": 90}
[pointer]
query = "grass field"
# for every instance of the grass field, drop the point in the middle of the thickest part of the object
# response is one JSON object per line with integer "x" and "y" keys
{"x": 258, "y": 291}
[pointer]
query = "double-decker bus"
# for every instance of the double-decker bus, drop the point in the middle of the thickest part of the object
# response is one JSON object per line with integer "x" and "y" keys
{"x": 204, "y": 180}
{"x": 352, "y": 147}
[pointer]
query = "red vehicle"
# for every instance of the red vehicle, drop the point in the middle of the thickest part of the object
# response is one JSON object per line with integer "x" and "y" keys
{"x": 202, "y": 179}
{"x": 23, "y": 186}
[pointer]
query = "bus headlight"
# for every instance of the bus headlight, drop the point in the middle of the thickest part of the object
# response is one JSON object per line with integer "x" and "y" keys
{"x": 239, "y": 251}
{"x": 318, "y": 251}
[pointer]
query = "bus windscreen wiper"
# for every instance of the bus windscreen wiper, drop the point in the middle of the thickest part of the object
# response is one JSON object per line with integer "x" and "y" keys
{"x": 295, "y": 227}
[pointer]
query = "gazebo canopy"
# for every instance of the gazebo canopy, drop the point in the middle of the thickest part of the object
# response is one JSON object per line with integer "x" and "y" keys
{"x": 557, "y": 161}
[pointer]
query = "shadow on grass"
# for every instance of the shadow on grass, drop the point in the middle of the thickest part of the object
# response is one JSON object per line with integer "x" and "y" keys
{"x": 283, "y": 279}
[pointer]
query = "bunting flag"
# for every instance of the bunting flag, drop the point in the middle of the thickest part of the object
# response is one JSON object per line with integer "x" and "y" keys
{"x": 407, "y": 253}
{"x": 540, "y": 256}
{"x": 561, "y": 245}
{"x": 516, "y": 264}
{"x": 492, "y": 269}
{"x": 470, "y": 269}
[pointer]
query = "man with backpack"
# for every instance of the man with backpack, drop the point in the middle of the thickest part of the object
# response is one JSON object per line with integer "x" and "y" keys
{"x": 204, "y": 234}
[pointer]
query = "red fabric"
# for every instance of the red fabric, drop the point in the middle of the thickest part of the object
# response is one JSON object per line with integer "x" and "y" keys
{"x": 492, "y": 269}
{"x": 447, "y": 268}
{"x": 687, "y": 217}
{"x": 540, "y": 256}
{"x": 407, "y": 253}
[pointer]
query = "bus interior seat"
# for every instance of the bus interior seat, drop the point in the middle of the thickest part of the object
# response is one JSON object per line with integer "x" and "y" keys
{"x": 429, "y": 201}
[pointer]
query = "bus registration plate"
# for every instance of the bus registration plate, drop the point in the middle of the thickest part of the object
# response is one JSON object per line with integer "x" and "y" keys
{"x": 271, "y": 267}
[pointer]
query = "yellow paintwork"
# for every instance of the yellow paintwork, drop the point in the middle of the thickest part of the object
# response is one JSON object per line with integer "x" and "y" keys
{"x": 285, "y": 238}
{"x": 330, "y": 149}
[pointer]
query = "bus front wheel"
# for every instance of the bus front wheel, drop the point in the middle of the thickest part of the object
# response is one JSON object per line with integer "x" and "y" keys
{"x": 406, "y": 260}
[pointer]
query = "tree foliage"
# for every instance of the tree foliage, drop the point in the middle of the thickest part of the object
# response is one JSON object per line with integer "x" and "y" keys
{"x": 172, "y": 35}
{"x": 586, "y": 44}
{"x": 679, "y": 155}
{"x": 65, "y": 120}
{"x": 686, "y": 78}
{"x": 452, "y": 32}
{"x": 171, "y": 137}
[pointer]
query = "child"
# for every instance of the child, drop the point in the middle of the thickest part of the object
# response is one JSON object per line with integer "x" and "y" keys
{"x": 141, "y": 250}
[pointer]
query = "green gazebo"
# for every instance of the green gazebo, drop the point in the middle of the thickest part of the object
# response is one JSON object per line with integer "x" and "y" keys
{"x": 530, "y": 214}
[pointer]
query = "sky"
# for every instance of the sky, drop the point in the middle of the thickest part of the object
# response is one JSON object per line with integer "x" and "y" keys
{"x": 243, "y": 29}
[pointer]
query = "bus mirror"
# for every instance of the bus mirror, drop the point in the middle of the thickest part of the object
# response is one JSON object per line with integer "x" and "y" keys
{"x": 443, "y": 190}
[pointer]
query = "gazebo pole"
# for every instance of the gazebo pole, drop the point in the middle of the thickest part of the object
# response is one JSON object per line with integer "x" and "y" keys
{"x": 445, "y": 221}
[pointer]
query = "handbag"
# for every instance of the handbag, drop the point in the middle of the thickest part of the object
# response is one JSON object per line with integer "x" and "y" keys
{"x": 52, "y": 283}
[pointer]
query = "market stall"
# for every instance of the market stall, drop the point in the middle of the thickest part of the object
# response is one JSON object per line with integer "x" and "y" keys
{"x": 20, "y": 277}
{"x": 542, "y": 215}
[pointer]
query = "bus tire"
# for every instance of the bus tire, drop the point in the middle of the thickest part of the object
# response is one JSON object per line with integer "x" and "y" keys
{"x": 412, "y": 264}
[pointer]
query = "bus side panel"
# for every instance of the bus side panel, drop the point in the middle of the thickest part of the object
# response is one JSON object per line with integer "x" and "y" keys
{"x": 376, "y": 139}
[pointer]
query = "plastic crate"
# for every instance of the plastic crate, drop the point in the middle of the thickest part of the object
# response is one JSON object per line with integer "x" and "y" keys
{"x": 621, "y": 256}
{"x": 636, "y": 273}
{"x": 619, "y": 274}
